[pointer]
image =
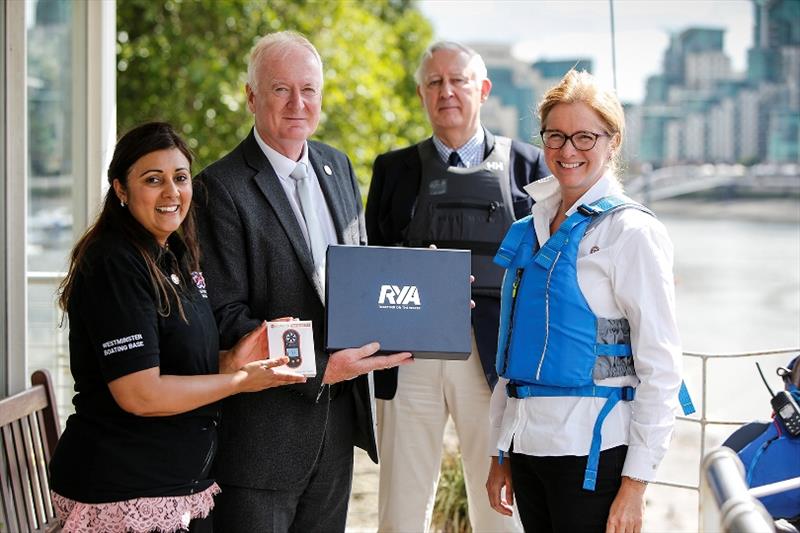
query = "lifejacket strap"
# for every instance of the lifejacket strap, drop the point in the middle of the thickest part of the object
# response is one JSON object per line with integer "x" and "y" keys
{"x": 584, "y": 213}
{"x": 614, "y": 350}
{"x": 519, "y": 391}
{"x": 685, "y": 400}
{"x": 508, "y": 248}
{"x": 593, "y": 460}
{"x": 547, "y": 254}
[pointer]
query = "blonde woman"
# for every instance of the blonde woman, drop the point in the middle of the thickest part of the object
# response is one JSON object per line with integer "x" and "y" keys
{"x": 589, "y": 351}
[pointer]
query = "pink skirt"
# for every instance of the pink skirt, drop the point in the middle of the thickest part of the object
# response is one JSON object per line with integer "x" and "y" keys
{"x": 139, "y": 515}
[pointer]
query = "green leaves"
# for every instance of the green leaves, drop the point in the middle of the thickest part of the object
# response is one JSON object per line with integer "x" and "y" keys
{"x": 451, "y": 511}
{"x": 185, "y": 61}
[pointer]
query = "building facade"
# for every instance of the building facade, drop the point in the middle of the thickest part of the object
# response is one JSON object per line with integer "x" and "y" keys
{"x": 699, "y": 110}
{"x": 517, "y": 87}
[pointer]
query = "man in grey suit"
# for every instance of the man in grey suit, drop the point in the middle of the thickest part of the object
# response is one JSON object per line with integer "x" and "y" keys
{"x": 266, "y": 213}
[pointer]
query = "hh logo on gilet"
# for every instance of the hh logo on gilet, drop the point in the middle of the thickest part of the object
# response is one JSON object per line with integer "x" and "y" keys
{"x": 394, "y": 297}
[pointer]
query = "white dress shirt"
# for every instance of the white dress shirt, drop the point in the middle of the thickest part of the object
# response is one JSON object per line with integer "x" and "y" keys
{"x": 624, "y": 269}
{"x": 471, "y": 152}
{"x": 283, "y": 166}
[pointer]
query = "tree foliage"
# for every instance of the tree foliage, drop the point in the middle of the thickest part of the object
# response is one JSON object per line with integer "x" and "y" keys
{"x": 185, "y": 61}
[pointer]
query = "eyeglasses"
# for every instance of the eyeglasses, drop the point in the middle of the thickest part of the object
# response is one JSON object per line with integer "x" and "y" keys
{"x": 581, "y": 140}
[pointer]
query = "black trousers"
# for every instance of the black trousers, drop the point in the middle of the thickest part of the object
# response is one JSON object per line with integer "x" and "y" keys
{"x": 549, "y": 491}
{"x": 319, "y": 505}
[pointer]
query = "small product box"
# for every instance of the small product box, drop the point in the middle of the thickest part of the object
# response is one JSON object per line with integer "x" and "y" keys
{"x": 295, "y": 340}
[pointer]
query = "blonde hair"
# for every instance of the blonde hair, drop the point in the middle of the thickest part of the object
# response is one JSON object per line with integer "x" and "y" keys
{"x": 280, "y": 41}
{"x": 580, "y": 86}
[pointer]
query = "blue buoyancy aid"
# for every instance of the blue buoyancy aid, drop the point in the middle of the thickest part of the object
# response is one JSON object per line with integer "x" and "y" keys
{"x": 774, "y": 456}
{"x": 550, "y": 342}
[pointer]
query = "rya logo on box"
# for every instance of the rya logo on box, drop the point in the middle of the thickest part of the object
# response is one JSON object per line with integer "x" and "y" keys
{"x": 395, "y": 297}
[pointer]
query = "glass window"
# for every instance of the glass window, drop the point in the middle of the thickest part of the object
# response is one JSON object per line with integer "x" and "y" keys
{"x": 3, "y": 246}
{"x": 51, "y": 183}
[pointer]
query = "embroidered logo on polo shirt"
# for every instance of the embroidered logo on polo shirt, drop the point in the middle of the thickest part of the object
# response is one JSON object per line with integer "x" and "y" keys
{"x": 200, "y": 282}
{"x": 123, "y": 344}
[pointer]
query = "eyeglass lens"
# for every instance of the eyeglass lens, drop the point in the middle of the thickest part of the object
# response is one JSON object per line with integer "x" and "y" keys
{"x": 581, "y": 140}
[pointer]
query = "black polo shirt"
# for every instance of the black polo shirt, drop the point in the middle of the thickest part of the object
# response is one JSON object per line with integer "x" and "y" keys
{"x": 107, "y": 454}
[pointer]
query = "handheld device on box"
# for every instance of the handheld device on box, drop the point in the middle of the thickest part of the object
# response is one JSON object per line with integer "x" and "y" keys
{"x": 295, "y": 340}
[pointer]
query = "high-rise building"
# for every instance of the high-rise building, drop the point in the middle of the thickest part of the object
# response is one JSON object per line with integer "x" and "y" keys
{"x": 699, "y": 110}
{"x": 777, "y": 26}
{"x": 555, "y": 69}
{"x": 517, "y": 87}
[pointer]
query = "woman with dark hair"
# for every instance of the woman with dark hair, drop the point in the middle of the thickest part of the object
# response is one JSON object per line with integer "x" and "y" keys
{"x": 144, "y": 353}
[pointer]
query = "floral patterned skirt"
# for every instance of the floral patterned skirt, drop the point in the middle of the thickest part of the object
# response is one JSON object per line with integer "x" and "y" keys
{"x": 139, "y": 515}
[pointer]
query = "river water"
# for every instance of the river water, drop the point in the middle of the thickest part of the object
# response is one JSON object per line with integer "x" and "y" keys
{"x": 737, "y": 290}
{"x": 737, "y": 271}
{"x": 737, "y": 283}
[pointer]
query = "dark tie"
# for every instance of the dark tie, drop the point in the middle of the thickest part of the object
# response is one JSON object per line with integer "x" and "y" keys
{"x": 454, "y": 160}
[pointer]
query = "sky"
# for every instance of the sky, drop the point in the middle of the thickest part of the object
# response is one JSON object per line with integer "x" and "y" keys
{"x": 561, "y": 29}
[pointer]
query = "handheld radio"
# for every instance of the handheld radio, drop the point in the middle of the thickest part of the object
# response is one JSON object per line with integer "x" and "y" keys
{"x": 785, "y": 407}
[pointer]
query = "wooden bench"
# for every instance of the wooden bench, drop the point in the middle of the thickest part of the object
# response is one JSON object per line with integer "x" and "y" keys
{"x": 29, "y": 430}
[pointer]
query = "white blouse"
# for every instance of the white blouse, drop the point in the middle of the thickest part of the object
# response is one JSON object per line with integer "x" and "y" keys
{"x": 624, "y": 270}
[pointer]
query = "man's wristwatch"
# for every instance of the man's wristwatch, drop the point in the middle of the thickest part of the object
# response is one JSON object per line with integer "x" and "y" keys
{"x": 642, "y": 481}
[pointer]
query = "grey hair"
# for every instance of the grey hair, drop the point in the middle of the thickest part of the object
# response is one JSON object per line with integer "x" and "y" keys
{"x": 280, "y": 41}
{"x": 474, "y": 58}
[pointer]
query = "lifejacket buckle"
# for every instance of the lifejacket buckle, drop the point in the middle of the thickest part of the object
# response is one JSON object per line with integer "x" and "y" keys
{"x": 511, "y": 390}
{"x": 589, "y": 210}
{"x": 628, "y": 393}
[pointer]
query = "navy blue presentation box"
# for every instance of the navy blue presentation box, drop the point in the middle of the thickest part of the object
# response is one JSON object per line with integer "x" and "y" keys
{"x": 408, "y": 299}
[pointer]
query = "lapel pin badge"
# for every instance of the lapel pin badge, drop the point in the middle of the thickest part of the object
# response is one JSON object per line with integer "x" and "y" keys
{"x": 327, "y": 170}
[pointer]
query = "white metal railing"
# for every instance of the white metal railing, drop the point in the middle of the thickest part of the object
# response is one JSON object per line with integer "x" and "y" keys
{"x": 60, "y": 370}
{"x": 707, "y": 520}
{"x": 48, "y": 344}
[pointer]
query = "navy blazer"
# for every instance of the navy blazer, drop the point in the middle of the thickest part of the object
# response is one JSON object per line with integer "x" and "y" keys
{"x": 258, "y": 267}
{"x": 393, "y": 191}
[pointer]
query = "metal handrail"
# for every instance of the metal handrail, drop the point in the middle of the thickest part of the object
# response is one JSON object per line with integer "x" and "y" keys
{"x": 775, "y": 488}
{"x": 739, "y": 510}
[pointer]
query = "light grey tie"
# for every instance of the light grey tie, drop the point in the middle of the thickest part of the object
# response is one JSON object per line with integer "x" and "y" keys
{"x": 316, "y": 238}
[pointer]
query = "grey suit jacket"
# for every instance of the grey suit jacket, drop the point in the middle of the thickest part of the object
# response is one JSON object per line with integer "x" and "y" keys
{"x": 258, "y": 267}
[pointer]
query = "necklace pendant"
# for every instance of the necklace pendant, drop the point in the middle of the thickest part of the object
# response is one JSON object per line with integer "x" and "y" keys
{"x": 175, "y": 279}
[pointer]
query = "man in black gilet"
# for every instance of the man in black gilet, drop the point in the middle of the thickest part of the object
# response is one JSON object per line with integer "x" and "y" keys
{"x": 461, "y": 188}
